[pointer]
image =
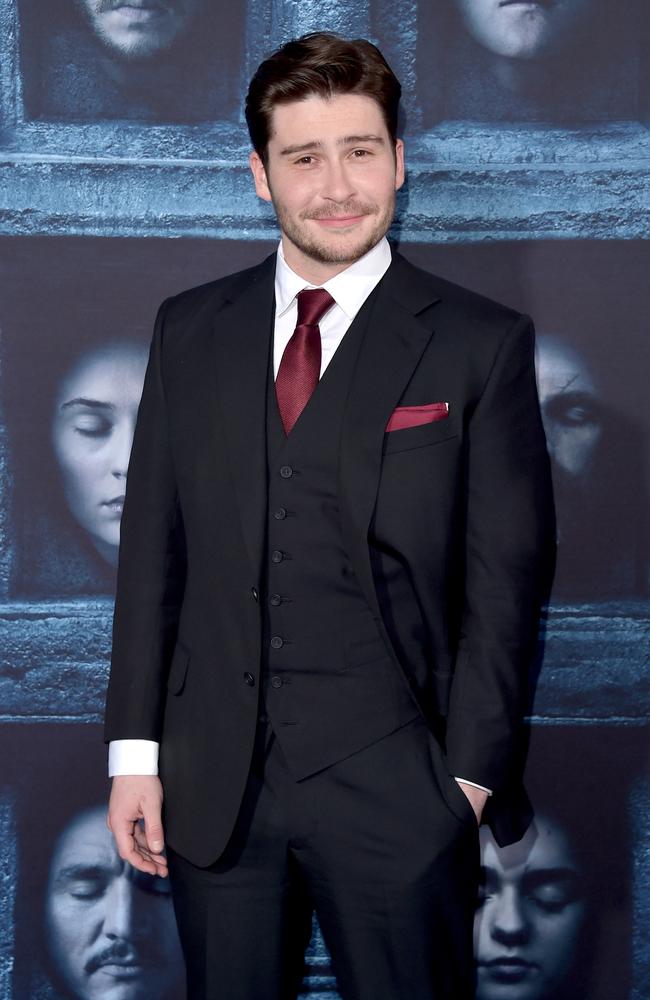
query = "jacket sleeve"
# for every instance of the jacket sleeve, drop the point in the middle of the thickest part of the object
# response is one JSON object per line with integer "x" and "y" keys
{"x": 151, "y": 572}
{"x": 509, "y": 554}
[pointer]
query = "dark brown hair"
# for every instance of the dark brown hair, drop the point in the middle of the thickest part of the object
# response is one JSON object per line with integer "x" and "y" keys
{"x": 322, "y": 64}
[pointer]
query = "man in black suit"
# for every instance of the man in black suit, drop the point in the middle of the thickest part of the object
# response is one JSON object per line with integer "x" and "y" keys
{"x": 335, "y": 537}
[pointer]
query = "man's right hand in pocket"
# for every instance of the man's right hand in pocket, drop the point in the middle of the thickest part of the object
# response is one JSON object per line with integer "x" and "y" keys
{"x": 135, "y": 820}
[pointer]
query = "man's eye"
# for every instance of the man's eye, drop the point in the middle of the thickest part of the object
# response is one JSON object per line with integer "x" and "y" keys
{"x": 360, "y": 153}
{"x": 306, "y": 160}
{"x": 86, "y": 888}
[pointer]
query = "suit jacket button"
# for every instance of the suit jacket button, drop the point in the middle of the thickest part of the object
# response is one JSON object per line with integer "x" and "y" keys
{"x": 255, "y": 594}
{"x": 249, "y": 679}
{"x": 275, "y": 600}
{"x": 277, "y": 556}
{"x": 286, "y": 472}
{"x": 277, "y": 642}
{"x": 276, "y": 682}
{"x": 279, "y": 514}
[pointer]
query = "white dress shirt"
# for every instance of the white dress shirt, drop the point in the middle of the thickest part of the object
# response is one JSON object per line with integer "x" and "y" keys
{"x": 349, "y": 289}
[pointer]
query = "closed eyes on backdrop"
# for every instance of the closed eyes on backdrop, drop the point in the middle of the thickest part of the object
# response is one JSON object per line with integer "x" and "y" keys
{"x": 124, "y": 180}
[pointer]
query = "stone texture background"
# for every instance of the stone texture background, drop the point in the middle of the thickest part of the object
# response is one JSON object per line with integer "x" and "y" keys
{"x": 554, "y": 217}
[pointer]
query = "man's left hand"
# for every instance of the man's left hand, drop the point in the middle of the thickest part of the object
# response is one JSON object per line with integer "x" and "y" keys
{"x": 477, "y": 798}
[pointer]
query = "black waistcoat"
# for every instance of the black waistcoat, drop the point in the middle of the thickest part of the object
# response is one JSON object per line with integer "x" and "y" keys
{"x": 330, "y": 685}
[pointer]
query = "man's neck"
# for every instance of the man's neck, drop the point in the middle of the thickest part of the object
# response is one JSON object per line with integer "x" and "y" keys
{"x": 314, "y": 272}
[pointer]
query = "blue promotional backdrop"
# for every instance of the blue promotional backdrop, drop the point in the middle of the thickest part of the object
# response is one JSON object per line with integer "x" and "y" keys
{"x": 124, "y": 179}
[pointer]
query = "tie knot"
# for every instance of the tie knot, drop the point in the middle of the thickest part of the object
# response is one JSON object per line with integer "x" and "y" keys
{"x": 313, "y": 303}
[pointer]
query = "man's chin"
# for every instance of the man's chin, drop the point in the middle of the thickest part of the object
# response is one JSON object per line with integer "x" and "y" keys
{"x": 109, "y": 984}
{"x": 344, "y": 247}
{"x": 133, "y": 43}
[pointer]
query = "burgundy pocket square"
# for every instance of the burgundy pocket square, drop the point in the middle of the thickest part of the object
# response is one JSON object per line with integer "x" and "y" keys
{"x": 414, "y": 416}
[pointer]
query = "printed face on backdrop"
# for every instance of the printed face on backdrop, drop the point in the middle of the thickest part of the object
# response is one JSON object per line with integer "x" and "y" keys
{"x": 92, "y": 431}
{"x": 110, "y": 929}
{"x": 332, "y": 171}
{"x": 140, "y": 29}
{"x": 522, "y": 29}
{"x": 571, "y": 409}
{"x": 531, "y": 915}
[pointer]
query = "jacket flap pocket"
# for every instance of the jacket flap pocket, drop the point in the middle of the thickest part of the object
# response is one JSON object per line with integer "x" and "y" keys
{"x": 178, "y": 669}
{"x": 421, "y": 436}
{"x": 365, "y": 650}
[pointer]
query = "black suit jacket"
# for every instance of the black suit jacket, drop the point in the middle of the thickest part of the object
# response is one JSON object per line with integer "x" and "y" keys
{"x": 465, "y": 502}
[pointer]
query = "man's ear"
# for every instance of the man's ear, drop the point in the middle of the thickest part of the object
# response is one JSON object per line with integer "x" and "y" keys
{"x": 399, "y": 164}
{"x": 258, "y": 171}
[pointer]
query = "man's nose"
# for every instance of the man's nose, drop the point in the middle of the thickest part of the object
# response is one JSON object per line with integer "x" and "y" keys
{"x": 338, "y": 183}
{"x": 118, "y": 919}
{"x": 509, "y": 922}
{"x": 121, "y": 449}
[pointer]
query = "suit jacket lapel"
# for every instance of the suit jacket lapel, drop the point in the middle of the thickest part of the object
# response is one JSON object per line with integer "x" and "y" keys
{"x": 244, "y": 333}
{"x": 399, "y": 330}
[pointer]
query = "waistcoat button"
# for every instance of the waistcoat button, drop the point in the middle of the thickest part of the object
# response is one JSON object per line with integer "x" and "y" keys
{"x": 286, "y": 472}
{"x": 275, "y": 600}
{"x": 249, "y": 679}
{"x": 255, "y": 594}
{"x": 277, "y": 642}
{"x": 277, "y": 556}
{"x": 276, "y": 682}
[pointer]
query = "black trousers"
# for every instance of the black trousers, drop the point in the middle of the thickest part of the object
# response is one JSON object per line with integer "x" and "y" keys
{"x": 382, "y": 845}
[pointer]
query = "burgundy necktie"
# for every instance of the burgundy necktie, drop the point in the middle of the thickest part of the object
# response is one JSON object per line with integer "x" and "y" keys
{"x": 299, "y": 369}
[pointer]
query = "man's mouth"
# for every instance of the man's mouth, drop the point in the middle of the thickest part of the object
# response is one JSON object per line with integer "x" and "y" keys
{"x": 111, "y": 963}
{"x": 528, "y": 3}
{"x": 120, "y": 969}
{"x": 138, "y": 9}
{"x": 339, "y": 221}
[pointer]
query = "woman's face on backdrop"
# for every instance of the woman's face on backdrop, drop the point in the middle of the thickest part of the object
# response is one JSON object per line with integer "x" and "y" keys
{"x": 522, "y": 29}
{"x": 571, "y": 406}
{"x": 531, "y": 915}
{"x": 92, "y": 432}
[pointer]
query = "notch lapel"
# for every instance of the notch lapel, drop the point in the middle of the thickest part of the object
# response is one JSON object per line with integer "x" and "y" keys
{"x": 242, "y": 341}
{"x": 398, "y": 332}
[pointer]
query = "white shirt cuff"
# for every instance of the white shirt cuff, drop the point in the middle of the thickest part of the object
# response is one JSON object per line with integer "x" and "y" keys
{"x": 474, "y": 785}
{"x": 132, "y": 757}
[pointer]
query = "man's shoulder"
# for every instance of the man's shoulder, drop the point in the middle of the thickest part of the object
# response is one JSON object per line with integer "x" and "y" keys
{"x": 457, "y": 302}
{"x": 210, "y": 296}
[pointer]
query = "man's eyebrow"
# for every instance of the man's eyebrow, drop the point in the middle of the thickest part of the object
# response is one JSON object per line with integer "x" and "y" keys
{"x": 352, "y": 140}
{"x": 346, "y": 140}
{"x": 302, "y": 148}
{"x": 80, "y": 871}
{"x": 94, "y": 404}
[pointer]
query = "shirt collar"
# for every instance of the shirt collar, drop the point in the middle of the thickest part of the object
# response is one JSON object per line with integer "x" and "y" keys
{"x": 349, "y": 288}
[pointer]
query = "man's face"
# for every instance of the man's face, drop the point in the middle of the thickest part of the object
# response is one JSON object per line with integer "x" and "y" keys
{"x": 331, "y": 172}
{"x": 530, "y": 916}
{"x": 140, "y": 29}
{"x": 111, "y": 930}
{"x": 522, "y": 29}
{"x": 570, "y": 406}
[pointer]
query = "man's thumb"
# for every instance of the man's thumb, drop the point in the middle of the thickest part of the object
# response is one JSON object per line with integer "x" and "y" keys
{"x": 154, "y": 833}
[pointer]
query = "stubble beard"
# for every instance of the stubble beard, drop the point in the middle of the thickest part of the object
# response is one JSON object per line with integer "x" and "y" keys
{"x": 327, "y": 252}
{"x": 139, "y": 44}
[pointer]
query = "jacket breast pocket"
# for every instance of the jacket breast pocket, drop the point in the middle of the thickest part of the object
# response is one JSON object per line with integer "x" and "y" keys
{"x": 178, "y": 669}
{"x": 420, "y": 437}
